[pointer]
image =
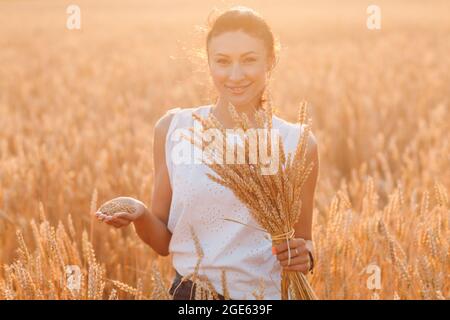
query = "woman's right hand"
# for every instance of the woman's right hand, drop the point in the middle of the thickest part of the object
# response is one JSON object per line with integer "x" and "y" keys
{"x": 120, "y": 212}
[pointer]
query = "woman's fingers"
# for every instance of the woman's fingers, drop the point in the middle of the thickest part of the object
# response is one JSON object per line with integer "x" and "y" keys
{"x": 118, "y": 220}
{"x": 295, "y": 252}
{"x": 303, "y": 268}
{"x": 115, "y": 223}
{"x": 121, "y": 222}
{"x": 100, "y": 216}
{"x": 293, "y": 243}
{"x": 109, "y": 221}
{"x": 123, "y": 215}
{"x": 295, "y": 261}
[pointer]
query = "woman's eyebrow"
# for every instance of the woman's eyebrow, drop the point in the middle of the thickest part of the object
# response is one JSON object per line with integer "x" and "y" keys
{"x": 244, "y": 54}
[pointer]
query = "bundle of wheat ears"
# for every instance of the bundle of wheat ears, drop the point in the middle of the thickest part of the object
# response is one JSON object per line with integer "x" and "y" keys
{"x": 272, "y": 199}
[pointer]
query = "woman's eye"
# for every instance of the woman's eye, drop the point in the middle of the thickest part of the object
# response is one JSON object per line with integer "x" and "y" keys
{"x": 224, "y": 61}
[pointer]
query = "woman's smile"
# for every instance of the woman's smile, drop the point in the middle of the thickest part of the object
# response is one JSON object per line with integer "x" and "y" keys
{"x": 238, "y": 90}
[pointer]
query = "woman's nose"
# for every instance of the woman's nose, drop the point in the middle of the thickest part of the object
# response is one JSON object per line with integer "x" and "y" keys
{"x": 236, "y": 72}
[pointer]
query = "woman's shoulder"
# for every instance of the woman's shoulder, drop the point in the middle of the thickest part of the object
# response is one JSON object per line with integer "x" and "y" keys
{"x": 294, "y": 130}
{"x": 179, "y": 111}
{"x": 277, "y": 121}
{"x": 162, "y": 125}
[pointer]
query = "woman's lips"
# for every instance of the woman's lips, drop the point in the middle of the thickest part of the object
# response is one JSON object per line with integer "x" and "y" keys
{"x": 238, "y": 90}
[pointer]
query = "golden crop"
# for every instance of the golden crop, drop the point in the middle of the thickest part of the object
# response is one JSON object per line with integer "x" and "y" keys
{"x": 77, "y": 110}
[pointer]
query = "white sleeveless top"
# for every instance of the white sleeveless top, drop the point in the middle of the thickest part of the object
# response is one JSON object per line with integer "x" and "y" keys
{"x": 243, "y": 252}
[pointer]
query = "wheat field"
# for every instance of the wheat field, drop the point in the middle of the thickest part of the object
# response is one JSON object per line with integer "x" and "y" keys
{"x": 77, "y": 110}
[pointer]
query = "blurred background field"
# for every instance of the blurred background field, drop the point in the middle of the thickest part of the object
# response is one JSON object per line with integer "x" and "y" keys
{"x": 77, "y": 109}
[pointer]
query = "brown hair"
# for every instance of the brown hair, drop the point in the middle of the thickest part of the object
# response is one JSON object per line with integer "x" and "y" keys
{"x": 249, "y": 21}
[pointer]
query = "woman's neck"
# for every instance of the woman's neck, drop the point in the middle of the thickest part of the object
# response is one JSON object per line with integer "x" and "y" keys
{"x": 221, "y": 112}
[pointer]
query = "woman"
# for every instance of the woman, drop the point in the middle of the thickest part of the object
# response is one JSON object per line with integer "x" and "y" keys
{"x": 241, "y": 55}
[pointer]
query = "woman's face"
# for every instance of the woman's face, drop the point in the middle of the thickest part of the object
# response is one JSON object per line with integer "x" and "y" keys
{"x": 239, "y": 66}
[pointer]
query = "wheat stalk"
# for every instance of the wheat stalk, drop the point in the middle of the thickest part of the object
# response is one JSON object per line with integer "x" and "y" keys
{"x": 266, "y": 197}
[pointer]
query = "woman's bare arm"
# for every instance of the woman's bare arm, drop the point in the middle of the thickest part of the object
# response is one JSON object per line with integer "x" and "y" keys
{"x": 300, "y": 253}
{"x": 151, "y": 227}
{"x": 303, "y": 227}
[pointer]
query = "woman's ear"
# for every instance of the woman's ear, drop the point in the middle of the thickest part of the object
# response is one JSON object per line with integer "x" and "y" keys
{"x": 269, "y": 72}
{"x": 270, "y": 66}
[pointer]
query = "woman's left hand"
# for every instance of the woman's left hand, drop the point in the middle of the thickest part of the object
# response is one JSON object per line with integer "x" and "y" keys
{"x": 300, "y": 260}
